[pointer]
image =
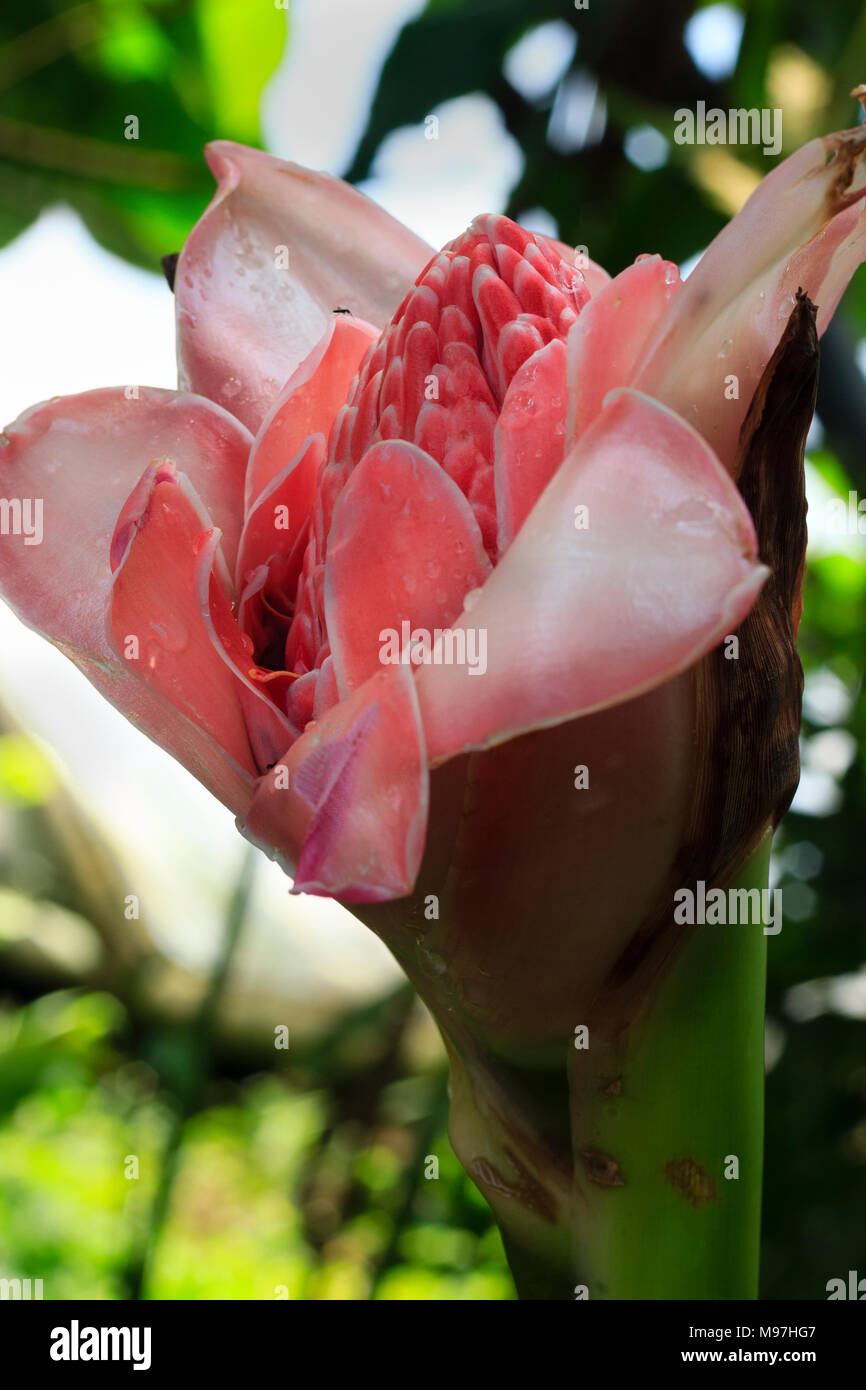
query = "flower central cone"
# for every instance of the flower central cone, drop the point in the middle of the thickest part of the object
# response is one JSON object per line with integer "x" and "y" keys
{"x": 438, "y": 378}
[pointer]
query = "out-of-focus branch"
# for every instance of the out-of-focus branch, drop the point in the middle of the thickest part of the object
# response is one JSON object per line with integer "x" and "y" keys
{"x": 54, "y": 38}
{"x": 81, "y": 875}
{"x": 89, "y": 158}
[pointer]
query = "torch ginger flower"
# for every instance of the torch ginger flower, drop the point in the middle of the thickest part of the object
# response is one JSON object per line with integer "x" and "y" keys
{"x": 500, "y": 440}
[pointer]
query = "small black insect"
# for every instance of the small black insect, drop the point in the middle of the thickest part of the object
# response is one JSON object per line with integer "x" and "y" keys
{"x": 342, "y": 311}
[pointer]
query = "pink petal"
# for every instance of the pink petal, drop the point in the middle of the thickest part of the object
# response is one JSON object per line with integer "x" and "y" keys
{"x": 310, "y": 400}
{"x": 610, "y": 337}
{"x": 351, "y": 822}
{"x": 530, "y": 436}
{"x": 229, "y": 781}
{"x": 803, "y": 227}
{"x": 404, "y": 546}
{"x": 268, "y": 730}
{"x": 580, "y": 619}
{"x": 244, "y": 323}
{"x": 156, "y": 622}
{"x": 288, "y": 496}
{"x": 82, "y": 455}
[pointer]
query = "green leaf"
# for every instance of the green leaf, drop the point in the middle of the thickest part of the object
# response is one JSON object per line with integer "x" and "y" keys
{"x": 26, "y": 775}
{"x": 241, "y": 47}
{"x": 71, "y": 82}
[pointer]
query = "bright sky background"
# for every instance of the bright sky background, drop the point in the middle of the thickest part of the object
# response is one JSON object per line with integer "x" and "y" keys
{"x": 76, "y": 317}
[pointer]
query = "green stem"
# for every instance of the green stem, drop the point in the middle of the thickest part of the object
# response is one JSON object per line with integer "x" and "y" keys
{"x": 665, "y": 1118}
{"x": 628, "y": 1168}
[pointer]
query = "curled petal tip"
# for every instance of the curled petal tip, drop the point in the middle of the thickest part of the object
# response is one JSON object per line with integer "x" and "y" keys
{"x": 277, "y": 249}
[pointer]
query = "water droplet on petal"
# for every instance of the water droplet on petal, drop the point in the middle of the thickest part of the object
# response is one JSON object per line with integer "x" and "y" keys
{"x": 694, "y": 517}
{"x": 167, "y": 635}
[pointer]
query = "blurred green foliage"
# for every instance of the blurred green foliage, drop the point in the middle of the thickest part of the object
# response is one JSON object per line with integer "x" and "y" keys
{"x": 309, "y": 1174}
{"x": 71, "y": 76}
{"x": 815, "y": 1183}
{"x": 26, "y": 775}
{"x": 275, "y": 1194}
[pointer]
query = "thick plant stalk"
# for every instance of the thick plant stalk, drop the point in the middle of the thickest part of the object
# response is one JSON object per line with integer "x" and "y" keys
{"x": 635, "y": 1171}
{"x": 668, "y": 1127}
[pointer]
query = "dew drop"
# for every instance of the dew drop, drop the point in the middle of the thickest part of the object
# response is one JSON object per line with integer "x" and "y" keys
{"x": 693, "y": 517}
{"x": 169, "y": 635}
